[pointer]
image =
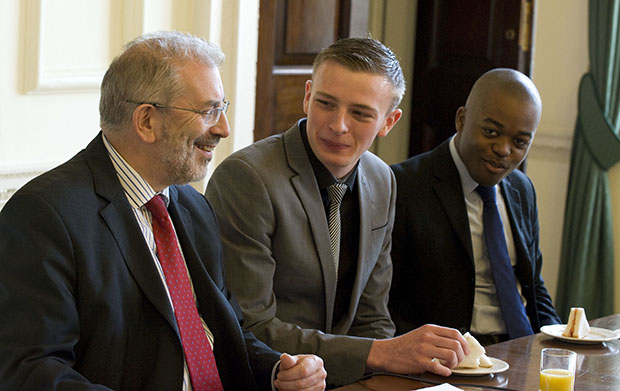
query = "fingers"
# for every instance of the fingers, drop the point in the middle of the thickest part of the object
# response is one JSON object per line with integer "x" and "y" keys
{"x": 301, "y": 372}
{"x": 287, "y": 361}
{"x": 414, "y": 352}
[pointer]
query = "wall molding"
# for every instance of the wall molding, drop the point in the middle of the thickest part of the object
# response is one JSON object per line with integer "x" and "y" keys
{"x": 552, "y": 145}
{"x": 42, "y": 77}
{"x": 38, "y": 78}
{"x": 12, "y": 179}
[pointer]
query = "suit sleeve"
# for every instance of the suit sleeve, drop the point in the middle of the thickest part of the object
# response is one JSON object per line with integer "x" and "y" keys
{"x": 372, "y": 318}
{"x": 37, "y": 299}
{"x": 246, "y": 217}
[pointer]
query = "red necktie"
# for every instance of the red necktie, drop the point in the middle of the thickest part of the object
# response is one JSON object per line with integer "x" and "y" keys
{"x": 198, "y": 352}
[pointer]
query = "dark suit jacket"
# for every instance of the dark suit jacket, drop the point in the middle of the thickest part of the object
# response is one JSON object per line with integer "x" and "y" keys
{"x": 274, "y": 233}
{"x": 434, "y": 274}
{"x": 81, "y": 299}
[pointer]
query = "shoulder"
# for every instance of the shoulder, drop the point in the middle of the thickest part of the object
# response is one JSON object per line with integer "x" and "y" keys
{"x": 416, "y": 166}
{"x": 519, "y": 180}
{"x": 374, "y": 169}
{"x": 262, "y": 156}
{"x": 62, "y": 185}
{"x": 261, "y": 150}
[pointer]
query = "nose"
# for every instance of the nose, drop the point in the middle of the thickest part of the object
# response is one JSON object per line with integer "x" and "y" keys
{"x": 501, "y": 148}
{"x": 221, "y": 127}
{"x": 339, "y": 122}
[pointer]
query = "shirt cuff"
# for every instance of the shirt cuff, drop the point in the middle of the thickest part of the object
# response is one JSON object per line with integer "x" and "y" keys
{"x": 274, "y": 373}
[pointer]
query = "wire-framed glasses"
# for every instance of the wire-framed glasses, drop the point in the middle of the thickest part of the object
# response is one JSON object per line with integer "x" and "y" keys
{"x": 210, "y": 117}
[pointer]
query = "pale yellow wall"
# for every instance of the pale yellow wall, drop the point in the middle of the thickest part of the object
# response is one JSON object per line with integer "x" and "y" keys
{"x": 560, "y": 60}
{"x": 56, "y": 52}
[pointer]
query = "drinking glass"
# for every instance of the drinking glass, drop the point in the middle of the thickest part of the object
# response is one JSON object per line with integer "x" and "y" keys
{"x": 557, "y": 369}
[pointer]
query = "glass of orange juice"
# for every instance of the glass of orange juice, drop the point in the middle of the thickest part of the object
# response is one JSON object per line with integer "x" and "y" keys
{"x": 557, "y": 370}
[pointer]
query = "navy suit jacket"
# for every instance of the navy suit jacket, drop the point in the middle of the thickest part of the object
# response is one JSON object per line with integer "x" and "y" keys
{"x": 434, "y": 276}
{"x": 82, "y": 303}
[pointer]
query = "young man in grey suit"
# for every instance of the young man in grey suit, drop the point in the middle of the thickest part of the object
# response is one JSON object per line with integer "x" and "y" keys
{"x": 444, "y": 270}
{"x": 92, "y": 295}
{"x": 301, "y": 289}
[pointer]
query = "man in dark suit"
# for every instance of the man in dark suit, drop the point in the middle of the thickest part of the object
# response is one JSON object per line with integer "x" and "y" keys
{"x": 299, "y": 293}
{"x": 88, "y": 291}
{"x": 442, "y": 268}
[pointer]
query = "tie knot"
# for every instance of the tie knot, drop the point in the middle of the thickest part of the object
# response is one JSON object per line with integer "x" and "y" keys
{"x": 336, "y": 191}
{"x": 157, "y": 207}
{"x": 487, "y": 194}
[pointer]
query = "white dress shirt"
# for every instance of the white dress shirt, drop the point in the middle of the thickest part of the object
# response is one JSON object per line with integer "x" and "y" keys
{"x": 487, "y": 316}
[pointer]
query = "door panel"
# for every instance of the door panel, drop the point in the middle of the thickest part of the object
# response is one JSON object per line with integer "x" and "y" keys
{"x": 290, "y": 34}
{"x": 456, "y": 42}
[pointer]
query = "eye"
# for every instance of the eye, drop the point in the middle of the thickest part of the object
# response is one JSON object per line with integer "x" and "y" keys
{"x": 362, "y": 115}
{"x": 522, "y": 142}
{"x": 324, "y": 103}
{"x": 489, "y": 132}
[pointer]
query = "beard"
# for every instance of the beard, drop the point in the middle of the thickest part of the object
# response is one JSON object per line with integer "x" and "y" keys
{"x": 180, "y": 157}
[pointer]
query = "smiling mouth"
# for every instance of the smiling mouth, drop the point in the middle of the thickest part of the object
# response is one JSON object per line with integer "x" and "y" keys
{"x": 206, "y": 148}
{"x": 496, "y": 165}
{"x": 334, "y": 144}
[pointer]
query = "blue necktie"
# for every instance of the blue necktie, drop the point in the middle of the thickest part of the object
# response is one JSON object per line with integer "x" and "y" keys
{"x": 510, "y": 302}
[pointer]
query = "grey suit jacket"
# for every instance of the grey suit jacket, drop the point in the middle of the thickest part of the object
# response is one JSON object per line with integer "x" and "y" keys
{"x": 278, "y": 258}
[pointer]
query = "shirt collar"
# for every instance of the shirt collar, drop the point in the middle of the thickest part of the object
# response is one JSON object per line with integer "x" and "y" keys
{"x": 468, "y": 183}
{"x": 136, "y": 188}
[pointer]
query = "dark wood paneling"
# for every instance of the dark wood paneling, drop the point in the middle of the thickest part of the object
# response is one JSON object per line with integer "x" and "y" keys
{"x": 291, "y": 33}
{"x": 456, "y": 42}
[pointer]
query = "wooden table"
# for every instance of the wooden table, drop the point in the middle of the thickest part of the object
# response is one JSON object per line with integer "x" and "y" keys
{"x": 598, "y": 367}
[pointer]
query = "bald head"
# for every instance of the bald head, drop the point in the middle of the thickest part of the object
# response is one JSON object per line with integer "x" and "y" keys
{"x": 507, "y": 81}
{"x": 496, "y": 127}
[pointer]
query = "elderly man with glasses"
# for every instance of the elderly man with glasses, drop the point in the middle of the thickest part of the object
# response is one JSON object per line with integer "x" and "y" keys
{"x": 112, "y": 273}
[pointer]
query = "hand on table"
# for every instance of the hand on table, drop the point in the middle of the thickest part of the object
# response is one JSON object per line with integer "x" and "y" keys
{"x": 300, "y": 372}
{"x": 414, "y": 351}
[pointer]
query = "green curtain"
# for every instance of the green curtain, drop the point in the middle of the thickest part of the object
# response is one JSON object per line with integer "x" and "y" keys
{"x": 587, "y": 261}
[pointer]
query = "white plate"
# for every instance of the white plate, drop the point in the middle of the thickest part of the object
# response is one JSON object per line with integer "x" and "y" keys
{"x": 597, "y": 334}
{"x": 498, "y": 366}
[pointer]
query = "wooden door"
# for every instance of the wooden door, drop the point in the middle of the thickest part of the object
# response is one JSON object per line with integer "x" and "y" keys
{"x": 290, "y": 34}
{"x": 456, "y": 42}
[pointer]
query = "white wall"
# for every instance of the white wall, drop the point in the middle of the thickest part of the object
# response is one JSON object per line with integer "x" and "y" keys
{"x": 56, "y": 52}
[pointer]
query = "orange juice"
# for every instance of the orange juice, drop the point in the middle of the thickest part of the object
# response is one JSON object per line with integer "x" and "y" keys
{"x": 556, "y": 380}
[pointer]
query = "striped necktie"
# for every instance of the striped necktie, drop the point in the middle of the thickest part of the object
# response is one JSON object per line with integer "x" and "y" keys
{"x": 335, "y": 193}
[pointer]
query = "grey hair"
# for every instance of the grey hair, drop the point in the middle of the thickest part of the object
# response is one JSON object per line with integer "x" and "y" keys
{"x": 147, "y": 70}
{"x": 366, "y": 55}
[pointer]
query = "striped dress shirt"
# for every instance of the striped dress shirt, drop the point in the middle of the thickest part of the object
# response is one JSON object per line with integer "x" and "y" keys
{"x": 138, "y": 193}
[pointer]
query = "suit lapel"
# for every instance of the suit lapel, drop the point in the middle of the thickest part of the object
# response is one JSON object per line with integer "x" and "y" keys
{"x": 449, "y": 191}
{"x": 120, "y": 220}
{"x": 366, "y": 207}
{"x": 305, "y": 186}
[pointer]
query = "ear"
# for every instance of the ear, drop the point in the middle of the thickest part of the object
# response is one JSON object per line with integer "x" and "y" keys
{"x": 308, "y": 91}
{"x": 390, "y": 121}
{"x": 459, "y": 119}
{"x": 144, "y": 123}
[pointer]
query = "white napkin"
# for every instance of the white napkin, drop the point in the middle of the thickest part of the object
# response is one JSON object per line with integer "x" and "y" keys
{"x": 442, "y": 387}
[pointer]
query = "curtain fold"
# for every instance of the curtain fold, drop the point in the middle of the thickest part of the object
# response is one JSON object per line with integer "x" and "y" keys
{"x": 586, "y": 276}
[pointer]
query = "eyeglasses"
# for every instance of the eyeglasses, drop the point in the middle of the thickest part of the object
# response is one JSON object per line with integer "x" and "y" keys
{"x": 211, "y": 116}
